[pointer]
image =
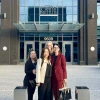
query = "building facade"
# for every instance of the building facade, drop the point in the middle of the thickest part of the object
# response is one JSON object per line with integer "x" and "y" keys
{"x": 27, "y": 24}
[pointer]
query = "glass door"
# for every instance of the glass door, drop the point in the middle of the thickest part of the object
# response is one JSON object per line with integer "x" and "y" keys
{"x": 28, "y": 46}
{"x": 68, "y": 52}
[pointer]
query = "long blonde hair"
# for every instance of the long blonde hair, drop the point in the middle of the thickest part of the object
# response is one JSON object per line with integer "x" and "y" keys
{"x": 51, "y": 45}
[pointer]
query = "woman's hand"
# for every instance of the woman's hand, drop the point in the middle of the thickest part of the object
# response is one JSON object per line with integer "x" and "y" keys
{"x": 34, "y": 71}
{"x": 65, "y": 82}
{"x": 38, "y": 84}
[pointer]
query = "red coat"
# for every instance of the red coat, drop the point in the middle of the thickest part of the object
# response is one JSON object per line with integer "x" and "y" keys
{"x": 59, "y": 69}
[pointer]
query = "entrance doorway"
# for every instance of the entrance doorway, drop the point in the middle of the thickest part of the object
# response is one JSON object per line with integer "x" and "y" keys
{"x": 68, "y": 52}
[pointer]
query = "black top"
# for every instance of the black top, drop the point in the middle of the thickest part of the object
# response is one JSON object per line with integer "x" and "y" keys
{"x": 48, "y": 71}
{"x": 55, "y": 57}
{"x": 29, "y": 66}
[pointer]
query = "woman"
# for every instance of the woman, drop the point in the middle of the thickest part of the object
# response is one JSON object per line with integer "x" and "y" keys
{"x": 59, "y": 74}
{"x": 30, "y": 70}
{"x": 43, "y": 75}
{"x": 49, "y": 45}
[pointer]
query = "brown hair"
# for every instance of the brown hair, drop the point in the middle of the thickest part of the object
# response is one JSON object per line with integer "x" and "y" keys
{"x": 42, "y": 54}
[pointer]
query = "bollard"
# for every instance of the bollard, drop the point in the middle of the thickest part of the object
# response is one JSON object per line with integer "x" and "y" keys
{"x": 82, "y": 93}
{"x": 20, "y": 93}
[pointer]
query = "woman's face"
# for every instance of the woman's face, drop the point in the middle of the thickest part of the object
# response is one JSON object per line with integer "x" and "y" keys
{"x": 56, "y": 48}
{"x": 32, "y": 54}
{"x": 46, "y": 53}
{"x": 49, "y": 45}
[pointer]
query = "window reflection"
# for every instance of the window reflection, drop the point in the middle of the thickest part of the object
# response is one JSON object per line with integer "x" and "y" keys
{"x": 22, "y": 2}
{"x": 75, "y": 2}
{"x": 67, "y": 2}
{"x": 98, "y": 13}
{"x": 74, "y": 10}
{"x": 36, "y": 2}
{"x": 29, "y": 2}
{"x": 48, "y": 2}
{"x": 69, "y": 18}
{"x": 98, "y": 10}
{"x": 98, "y": 22}
{"x": 75, "y": 19}
{"x": 69, "y": 10}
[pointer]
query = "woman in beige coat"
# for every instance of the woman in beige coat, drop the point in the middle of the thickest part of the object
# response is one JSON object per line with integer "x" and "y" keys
{"x": 43, "y": 75}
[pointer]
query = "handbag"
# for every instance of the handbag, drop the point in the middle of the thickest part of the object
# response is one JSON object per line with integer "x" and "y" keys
{"x": 65, "y": 93}
{"x": 28, "y": 82}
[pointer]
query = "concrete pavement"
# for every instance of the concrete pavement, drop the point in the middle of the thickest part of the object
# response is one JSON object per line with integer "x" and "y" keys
{"x": 12, "y": 76}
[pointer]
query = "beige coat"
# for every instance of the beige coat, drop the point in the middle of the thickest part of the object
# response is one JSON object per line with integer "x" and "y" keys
{"x": 41, "y": 71}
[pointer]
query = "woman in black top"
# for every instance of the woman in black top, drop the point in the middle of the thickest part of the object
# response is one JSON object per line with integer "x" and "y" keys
{"x": 30, "y": 70}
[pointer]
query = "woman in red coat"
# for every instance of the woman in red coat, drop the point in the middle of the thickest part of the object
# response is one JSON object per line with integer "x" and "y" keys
{"x": 59, "y": 74}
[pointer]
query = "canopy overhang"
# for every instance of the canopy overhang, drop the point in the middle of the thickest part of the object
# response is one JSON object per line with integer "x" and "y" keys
{"x": 48, "y": 26}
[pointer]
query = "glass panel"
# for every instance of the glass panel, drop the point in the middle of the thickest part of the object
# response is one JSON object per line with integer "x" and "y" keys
{"x": 29, "y": 38}
{"x": 29, "y": 34}
{"x": 48, "y": 2}
{"x": 69, "y": 10}
{"x": 67, "y": 2}
{"x": 42, "y": 46}
{"x": 69, "y": 18}
{"x": 68, "y": 52}
{"x": 36, "y": 2}
{"x": 75, "y": 2}
{"x": 98, "y": 22}
{"x": 22, "y": 2}
{"x": 75, "y": 19}
{"x": 21, "y": 51}
{"x": 48, "y": 18}
{"x": 28, "y": 48}
{"x": 22, "y": 18}
{"x": 29, "y": 2}
{"x": 21, "y": 38}
{"x": 59, "y": 38}
{"x": 59, "y": 2}
{"x": 75, "y": 10}
{"x": 98, "y": 52}
{"x": 75, "y": 38}
{"x": 75, "y": 56}
{"x": 36, "y": 38}
{"x": 26, "y": 18}
{"x": 60, "y": 43}
{"x": 98, "y": 3}
{"x": 67, "y": 38}
{"x": 37, "y": 49}
{"x": 98, "y": 10}
{"x": 75, "y": 45}
{"x": 22, "y": 11}
{"x": 21, "y": 34}
{"x": 98, "y": 32}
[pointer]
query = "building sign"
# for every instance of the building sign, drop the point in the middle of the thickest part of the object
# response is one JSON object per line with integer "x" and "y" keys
{"x": 48, "y": 38}
{"x": 47, "y": 10}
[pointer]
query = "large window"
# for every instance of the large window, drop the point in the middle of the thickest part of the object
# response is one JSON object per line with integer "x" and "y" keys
{"x": 54, "y": 10}
{"x": 0, "y": 11}
{"x": 98, "y": 30}
{"x": 98, "y": 13}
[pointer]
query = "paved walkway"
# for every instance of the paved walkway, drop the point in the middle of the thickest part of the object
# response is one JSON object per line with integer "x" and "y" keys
{"x": 12, "y": 76}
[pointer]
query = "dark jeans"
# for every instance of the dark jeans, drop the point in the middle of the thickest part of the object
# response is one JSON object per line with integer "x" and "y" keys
{"x": 45, "y": 90}
{"x": 31, "y": 91}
